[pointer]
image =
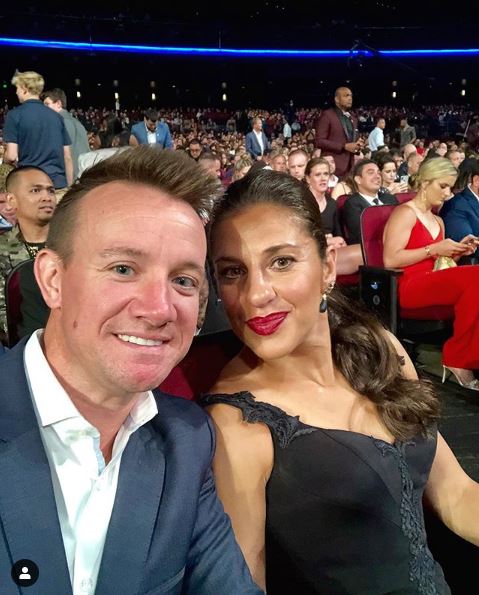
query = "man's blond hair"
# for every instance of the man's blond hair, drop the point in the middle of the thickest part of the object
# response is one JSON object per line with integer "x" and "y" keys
{"x": 29, "y": 80}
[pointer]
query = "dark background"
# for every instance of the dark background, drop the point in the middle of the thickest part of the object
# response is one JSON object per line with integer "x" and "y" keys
{"x": 191, "y": 81}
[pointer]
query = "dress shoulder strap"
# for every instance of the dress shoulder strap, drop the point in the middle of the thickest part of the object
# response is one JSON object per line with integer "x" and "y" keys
{"x": 283, "y": 427}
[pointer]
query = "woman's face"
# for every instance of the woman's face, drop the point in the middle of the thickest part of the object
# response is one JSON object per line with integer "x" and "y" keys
{"x": 271, "y": 280}
{"x": 439, "y": 190}
{"x": 318, "y": 178}
{"x": 388, "y": 173}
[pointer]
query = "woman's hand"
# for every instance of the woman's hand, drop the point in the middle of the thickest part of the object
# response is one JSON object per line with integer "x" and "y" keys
{"x": 398, "y": 187}
{"x": 335, "y": 241}
{"x": 449, "y": 247}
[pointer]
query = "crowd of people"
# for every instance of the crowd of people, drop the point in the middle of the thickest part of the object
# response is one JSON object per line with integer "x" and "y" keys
{"x": 141, "y": 229}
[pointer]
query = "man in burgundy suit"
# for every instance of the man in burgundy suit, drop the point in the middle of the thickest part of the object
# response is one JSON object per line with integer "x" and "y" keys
{"x": 337, "y": 132}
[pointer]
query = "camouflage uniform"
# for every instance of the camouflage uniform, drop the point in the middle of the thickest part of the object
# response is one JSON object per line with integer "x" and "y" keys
{"x": 12, "y": 252}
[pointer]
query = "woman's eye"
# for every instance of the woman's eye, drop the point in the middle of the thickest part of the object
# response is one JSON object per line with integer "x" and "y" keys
{"x": 123, "y": 270}
{"x": 282, "y": 262}
{"x": 229, "y": 273}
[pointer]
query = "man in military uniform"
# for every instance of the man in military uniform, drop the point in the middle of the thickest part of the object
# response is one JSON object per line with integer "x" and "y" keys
{"x": 32, "y": 193}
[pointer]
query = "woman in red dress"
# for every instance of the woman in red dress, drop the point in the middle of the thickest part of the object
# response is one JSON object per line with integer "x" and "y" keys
{"x": 413, "y": 240}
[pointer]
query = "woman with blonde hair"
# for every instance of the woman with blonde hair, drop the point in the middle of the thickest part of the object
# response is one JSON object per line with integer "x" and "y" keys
{"x": 241, "y": 167}
{"x": 414, "y": 241}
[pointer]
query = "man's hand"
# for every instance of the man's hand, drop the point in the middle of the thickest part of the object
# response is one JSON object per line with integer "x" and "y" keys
{"x": 352, "y": 147}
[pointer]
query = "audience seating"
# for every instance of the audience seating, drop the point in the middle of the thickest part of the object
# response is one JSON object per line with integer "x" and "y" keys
{"x": 378, "y": 285}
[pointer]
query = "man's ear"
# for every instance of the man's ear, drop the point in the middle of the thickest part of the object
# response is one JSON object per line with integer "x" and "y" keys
{"x": 48, "y": 270}
{"x": 11, "y": 200}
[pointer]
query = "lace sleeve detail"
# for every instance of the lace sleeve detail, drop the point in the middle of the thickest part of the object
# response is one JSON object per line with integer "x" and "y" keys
{"x": 284, "y": 427}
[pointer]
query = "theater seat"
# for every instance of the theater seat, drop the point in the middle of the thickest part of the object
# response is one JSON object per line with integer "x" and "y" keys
{"x": 201, "y": 366}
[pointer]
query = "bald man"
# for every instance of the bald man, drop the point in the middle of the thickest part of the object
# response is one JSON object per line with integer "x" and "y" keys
{"x": 337, "y": 132}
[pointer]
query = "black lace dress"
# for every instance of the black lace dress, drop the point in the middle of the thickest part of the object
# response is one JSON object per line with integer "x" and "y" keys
{"x": 344, "y": 512}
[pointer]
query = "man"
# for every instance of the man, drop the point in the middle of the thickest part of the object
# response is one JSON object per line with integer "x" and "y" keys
{"x": 151, "y": 131}
{"x": 367, "y": 180}
{"x": 211, "y": 163}
{"x": 461, "y": 212}
{"x": 35, "y": 135}
{"x": 407, "y": 133}
{"x": 110, "y": 489}
{"x": 194, "y": 149}
{"x": 297, "y": 161}
{"x": 256, "y": 141}
{"x": 7, "y": 212}
{"x": 402, "y": 170}
{"x": 30, "y": 192}
{"x": 337, "y": 132}
{"x": 56, "y": 100}
{"x": 278, "y": 161}
{"x": 376, "y": 136}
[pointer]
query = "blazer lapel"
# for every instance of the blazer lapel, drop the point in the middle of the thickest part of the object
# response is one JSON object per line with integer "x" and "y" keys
{"x": 27, "y": 502}
{"x": 134, "y": 514}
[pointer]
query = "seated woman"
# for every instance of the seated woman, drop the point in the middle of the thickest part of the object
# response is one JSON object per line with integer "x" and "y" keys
{"x": 413, "y": 240}
{"x": 388, "y": 169}
{"x": 326, "y": 440}
{"x": 317, "y": 174}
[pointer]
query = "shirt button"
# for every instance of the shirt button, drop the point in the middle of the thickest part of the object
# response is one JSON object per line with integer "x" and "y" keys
{"x": 86, "y": 585}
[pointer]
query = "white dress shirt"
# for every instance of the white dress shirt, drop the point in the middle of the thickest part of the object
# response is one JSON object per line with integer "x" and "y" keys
{"x": 259, "y": 138}
{"x": 84, "y": 487}
{"x": 376, "y": 139}
{"x": 371, "y": 200}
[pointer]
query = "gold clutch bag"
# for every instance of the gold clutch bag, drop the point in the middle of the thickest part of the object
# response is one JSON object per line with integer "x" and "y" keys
{"x": 444, "y": 262}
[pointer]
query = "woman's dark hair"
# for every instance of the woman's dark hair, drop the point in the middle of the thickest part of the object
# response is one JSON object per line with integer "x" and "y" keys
{"x": 361, "y": 349}
{"x": 467, "y": 169}
{"x": 382, "y": 159}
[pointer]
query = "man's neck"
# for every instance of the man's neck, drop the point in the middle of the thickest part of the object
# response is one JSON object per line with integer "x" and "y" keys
{"x": 30, "y": 96}
{"x": 33, "y": 233}
{"x": 368, "y": 193}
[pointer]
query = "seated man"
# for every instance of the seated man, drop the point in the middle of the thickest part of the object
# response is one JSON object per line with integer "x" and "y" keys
{"x": 297, "y": 161}
{"x": 30, "y": 192}
{"x": 107, "y": 485}
{"x": 461, "y": 213}
{"x": 367, "y": 180}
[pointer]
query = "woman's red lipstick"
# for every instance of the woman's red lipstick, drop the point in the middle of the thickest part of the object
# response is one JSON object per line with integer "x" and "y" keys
{"x": 266, "y": 325}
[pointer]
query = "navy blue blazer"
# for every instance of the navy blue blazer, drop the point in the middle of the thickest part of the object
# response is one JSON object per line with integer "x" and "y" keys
{"x": 461, "y": 216}
{"x": 252, "y": 144}
{"x": 163, "y": 136}
{"x": 168, "y": 533}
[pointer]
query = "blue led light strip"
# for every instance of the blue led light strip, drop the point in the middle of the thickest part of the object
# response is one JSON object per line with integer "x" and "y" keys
{"x": 166, "y": 50}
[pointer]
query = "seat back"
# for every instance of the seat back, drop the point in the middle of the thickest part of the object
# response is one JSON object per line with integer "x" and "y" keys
{"x": 373, "y": 221}
{"x": 340, "y": 202}
{"x": 404, "y": 196}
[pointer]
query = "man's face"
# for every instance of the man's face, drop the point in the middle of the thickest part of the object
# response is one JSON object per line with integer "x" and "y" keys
{"x": 56, "y": 106}
{"x": 127, "y": 306}
{"x": 150, "y": 124}
{"x": 32, "y": 196}
{"x": 455, "y": 158}
{"x": 344, "y": 98}
{"x": 442, "y": 149}
{"x": 413, "y": 163}
{"x": 403, "y": 123}
{"x": 382, "y": 123}
{"x": 370, "y": 180}
{"x": 6, "y": 210}
{"x": 258, "y": 124}
{"x": 297, "y": 165}
{"x": 21, "y": 93}
{"x": 195, "y": 150}
{"x": 212, "y": 166}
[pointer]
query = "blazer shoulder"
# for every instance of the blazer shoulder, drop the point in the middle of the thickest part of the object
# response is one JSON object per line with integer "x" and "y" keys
{"x": 180, "y": 410}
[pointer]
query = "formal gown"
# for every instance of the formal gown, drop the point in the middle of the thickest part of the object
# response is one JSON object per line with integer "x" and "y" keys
{"x": 420, "y": 286}
{"x": 329, "y": 218}
{"x": 344, "y": 510}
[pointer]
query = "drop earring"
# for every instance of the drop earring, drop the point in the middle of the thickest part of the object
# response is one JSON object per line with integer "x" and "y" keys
{"x": 323, "y": 305}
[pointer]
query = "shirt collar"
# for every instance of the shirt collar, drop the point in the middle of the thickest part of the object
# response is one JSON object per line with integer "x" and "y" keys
{"x": 51, "y": 401}
{"x": 472, "y": 191}
{"x": 370, "y": 198}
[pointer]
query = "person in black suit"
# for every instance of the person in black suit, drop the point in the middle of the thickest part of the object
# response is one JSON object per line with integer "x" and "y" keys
{"x": 367, "y": 180}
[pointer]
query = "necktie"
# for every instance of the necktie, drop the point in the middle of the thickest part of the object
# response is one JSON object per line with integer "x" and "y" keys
{"x": 376, "y": 201}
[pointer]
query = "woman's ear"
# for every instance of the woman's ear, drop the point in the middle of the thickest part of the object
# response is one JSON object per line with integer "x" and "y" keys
{"x": 329, "y": 266}
{"x": 48, "y": 270}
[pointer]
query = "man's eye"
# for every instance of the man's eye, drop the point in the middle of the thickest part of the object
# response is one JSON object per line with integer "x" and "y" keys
{"x": 123, "y": 270}
{"x": 186, "y": 282}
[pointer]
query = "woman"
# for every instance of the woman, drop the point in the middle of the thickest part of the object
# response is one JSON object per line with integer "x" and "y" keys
{"x": 325, "y": 441}
{"x": 413, "y": 240}
{"x": 388, "y": 169}
{"x": 241, "y": 167}
{"x": 317, "y": 175}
